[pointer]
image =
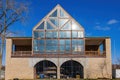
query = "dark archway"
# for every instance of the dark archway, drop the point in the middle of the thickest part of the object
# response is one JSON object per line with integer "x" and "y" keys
{"x": 45, "y": 69}
{"x": 72, "y": 69}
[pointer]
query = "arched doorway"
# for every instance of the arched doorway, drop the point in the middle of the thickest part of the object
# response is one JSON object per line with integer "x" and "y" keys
{"x": 71, "y": 69}
{"x": 45, "y": 69}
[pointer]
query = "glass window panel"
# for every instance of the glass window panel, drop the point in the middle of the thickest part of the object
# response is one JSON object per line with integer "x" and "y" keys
{"x": 55, "y": 34}
{"x": 41, "y": 48}
{"x": 49, "y": 35}
{"x": 41, "y": 42}
{"x": 67, "y": 42}
{"x": 54, "y": 21}
{"x": 77, "y": 45}
{"x": 63, "y": 14}
{"x": 80, "y": 42}
{"x": 51, "y": 42}
{"x": 67, "y": 48}
{"x": 74, "y": 34}
{"x": 41, "y": 34}
{"x": 62, "y": 34}
{"x": 35, "y": 42}
{"x": 62, "y": 42}
{"x": 67, "y": 26}
{"x": 49, "y": 26}
{"x": 41, "y": 26}
{"x": 36, "y": 34}
{"x": 74, "y": 48}
{"x": 62, "y": 48}
{"x": 80, "y": 34}
{"x": 62, "y": 22}
{"x": 75, "y": 26}
{"x": 48, "y": 48}
{"x": 80, "y": 48}
{"x": 55, "y": 48}
{"x": 68, "y": 34}
{"x": 35, "y": 48}
{"x": 54, "y": 14}
{"x": 74, "y": 41}
{"x": 51, "y": 48}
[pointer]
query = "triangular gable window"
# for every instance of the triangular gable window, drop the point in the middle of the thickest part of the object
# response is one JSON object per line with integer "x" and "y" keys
{"x": 67, "y": 26}
{"x": 41, "y": 26}
{"x": 59, "y": 19}
{"x": 54, "y": 14}
{"x": 62, "y": 22}
{"x": 54, "y": 21}
{"x": 75, "y": 26}
{"x": 63, "y": 14}
{"x": 49, "y": 26}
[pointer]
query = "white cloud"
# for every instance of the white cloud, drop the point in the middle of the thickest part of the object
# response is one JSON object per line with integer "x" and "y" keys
{"x": 112, "y": 21}
{"x": 102, "y": 28}
{"x": 88, "y": 34}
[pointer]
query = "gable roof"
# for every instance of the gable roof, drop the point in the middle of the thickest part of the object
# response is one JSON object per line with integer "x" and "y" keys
{"x": 58, "y": 18}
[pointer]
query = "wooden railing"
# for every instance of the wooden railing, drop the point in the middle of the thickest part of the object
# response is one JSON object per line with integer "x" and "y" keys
{"x": 95, "y": 53}
{"x": 76, "y": 54}
{"x": 22, "y": 53}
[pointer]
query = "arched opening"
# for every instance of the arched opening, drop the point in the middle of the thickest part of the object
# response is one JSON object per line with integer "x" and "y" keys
{"x": 71, "y": 69}
{"x": 45, "y": 69}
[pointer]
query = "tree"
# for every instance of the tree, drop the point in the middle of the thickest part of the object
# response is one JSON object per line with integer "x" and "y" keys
{"x": 118, "y": 62}
{"x": 11, "y": 11}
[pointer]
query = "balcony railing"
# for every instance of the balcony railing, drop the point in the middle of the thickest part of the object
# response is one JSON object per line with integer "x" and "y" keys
{"x": 55, "y": 55}
{"x": 95, "y": 53}
{"x": 22, "y": 53}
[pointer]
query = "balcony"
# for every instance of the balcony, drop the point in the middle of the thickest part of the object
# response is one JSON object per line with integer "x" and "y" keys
{"x": 53, "y": 55}
{"x": 21, "y": 54}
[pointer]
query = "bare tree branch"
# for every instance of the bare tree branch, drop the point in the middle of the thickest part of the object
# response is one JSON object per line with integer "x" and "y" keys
{"x": 11, "y": 11}
{"x": 14, "y": 12}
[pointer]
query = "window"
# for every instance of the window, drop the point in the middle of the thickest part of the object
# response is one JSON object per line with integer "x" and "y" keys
{"x": 38, "y": 34}
{"x": 62, "y": 48}
{"x": 62, "y": 22}
{"x": 74, "y": 34}
{"x": 58, "y": 33}
{"x": 54, "y": 14}
{"x": 49, "y": 35}
{"x": 51, "y": 42}
{"x": 62, "y": 34}
{"x": 67, "y": 26}
{"x": 52, "y": 48}
{"x": 49, "y": 26}
{"x": 80, "y": 34}
{"x": 77, "y": 45}
{"x": 62, "y": 42}
{"x": 55, "y": 34}
{"x": 54, "y": 21}
{"x": 68, "y": 34}
{"x": 41, "y": 26}
{"x": 63, "y": 14}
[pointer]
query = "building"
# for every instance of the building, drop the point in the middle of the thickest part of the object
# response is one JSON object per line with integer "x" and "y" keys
{"x": 2, "y": 72}
{"x": 116, "y": 71}
{"x": 58, "y": 49}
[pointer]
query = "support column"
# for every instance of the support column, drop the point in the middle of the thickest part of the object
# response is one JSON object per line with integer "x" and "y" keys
{"x": 58, "y": 72}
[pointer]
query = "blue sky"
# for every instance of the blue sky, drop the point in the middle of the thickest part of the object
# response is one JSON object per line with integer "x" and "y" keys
{"x": 98, "y": 17}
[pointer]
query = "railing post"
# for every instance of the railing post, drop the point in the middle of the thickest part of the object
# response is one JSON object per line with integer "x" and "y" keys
{"x": 21, "y": 53}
